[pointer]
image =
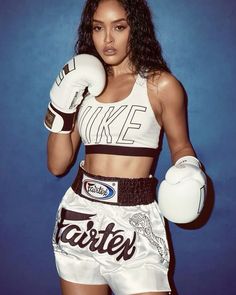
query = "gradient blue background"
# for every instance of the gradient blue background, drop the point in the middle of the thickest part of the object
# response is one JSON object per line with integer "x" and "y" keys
{"x": 37, "y": 38}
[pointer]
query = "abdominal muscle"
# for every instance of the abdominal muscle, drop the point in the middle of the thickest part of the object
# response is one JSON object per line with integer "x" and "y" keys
{"x": 118, "y": 166}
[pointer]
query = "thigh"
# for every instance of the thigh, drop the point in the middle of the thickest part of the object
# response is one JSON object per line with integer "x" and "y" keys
{"x": 69, "y": 288}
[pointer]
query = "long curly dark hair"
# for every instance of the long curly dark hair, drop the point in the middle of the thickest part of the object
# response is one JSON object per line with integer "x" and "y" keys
{"x": 145, "y": 50}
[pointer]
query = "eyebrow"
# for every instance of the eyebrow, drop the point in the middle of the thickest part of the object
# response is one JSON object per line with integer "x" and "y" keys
{"x": 115, "y": 21}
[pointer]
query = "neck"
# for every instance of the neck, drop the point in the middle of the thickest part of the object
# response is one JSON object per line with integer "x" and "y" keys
{"x": 125, "y": 67}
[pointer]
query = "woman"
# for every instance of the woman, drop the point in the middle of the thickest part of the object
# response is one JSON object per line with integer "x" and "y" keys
{"x": 109, "y": 230}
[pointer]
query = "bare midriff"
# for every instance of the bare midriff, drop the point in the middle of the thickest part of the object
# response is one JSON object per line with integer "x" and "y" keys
{"x": 118, "y": 165}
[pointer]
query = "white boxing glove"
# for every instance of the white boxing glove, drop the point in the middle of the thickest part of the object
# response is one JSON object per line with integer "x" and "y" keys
{"x": 181, "y": 195}
{"x": 66, "y": 94}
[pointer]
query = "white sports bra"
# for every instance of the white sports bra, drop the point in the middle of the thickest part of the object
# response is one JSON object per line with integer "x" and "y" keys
{"x": 127, "y": 127}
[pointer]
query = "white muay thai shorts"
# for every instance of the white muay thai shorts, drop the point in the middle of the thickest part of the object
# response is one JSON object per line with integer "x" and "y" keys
{"x": 110, "y": 231}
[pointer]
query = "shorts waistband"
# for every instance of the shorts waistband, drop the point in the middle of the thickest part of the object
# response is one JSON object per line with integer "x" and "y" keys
{"x": 115, "y": 190}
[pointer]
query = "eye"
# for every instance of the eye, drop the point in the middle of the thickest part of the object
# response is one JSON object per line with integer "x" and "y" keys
{"x": 97, "y": 28}
{"x": 120, "y": 28}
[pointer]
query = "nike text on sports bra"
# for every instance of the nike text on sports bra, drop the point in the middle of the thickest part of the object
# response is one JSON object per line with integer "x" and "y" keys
{"x": 127, "y": 127}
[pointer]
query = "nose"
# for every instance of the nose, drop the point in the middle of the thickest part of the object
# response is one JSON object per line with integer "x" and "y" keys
{"x": 108, "y": 37}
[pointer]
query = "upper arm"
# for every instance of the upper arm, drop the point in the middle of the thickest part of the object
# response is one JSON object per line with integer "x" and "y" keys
{"x": 75, "y": 139}
{"x": 173, "y": 115}
{"x": 61, "y": 150}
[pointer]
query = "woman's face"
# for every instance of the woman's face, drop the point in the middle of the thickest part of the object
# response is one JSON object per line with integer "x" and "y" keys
{"x": 111, "y": 32}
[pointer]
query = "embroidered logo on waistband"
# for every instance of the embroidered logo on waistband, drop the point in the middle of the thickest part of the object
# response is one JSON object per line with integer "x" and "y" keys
{"x": 106, "y": 191}
{"x": 98, "y": 190}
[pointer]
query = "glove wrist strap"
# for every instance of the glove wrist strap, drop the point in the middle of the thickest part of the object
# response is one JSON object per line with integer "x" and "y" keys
{"x": 188, "y": 160}
{"x": 57, "y": 121}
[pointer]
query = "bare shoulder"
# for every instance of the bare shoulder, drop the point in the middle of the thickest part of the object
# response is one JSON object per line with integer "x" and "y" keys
{"x": 164, "y": 88}
{"x": 165, "y": 84}
{"x": 165, "y": 92}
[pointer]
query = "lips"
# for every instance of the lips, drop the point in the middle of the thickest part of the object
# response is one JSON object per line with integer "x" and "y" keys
{"x": 109, "y": 51}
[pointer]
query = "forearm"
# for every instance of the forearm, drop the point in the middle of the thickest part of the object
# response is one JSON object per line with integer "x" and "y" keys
{"x": 60, "y": 152}
{"x": 186, "y": 150}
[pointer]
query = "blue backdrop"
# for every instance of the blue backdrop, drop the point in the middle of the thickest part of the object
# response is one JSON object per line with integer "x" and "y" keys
{"x": 37, "y": 38}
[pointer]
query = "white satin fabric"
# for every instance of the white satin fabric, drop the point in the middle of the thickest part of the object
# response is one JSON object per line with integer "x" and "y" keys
{"x": 122, "y": 246}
